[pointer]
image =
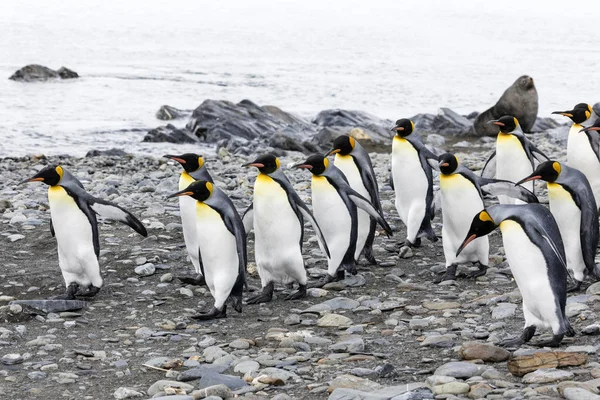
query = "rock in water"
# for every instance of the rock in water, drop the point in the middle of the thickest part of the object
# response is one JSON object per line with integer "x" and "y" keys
{"x": 35, "y": 72}
{"x": 167, "y": 113}
{"x": 52, "y": 306}
{"x": 519, "y": 100}
{"x": 171, "y": 134}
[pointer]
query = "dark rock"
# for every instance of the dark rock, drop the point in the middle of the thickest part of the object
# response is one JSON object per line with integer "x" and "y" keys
{"x": 199, "y": 372}
{"x": 35, "y": 72}
{"x": 388, "y": 371}
{"x": 212, "y": 379}
{"x": 52, "y": 306}
{"x": 446, "y": 122}
{"x": 167, "y": 113}
{"x": 377, "y": 130}
{"x": 171, "y": 134}
{"x": 66, "y": 73}
{"x": 111, "y": 152}
{"x": 544, "y": 124}
{"x": 519, "y": 100}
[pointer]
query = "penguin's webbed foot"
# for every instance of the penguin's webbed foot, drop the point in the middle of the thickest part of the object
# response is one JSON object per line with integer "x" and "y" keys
{"x": 525, "y": 337}
{"x": 197, "y": 280}
{"x": 91, "y": 291}
{"x": 574, "y": 287}
{"x": 264, "y": 297}
{"x": 322, "y": 282}
{"x": 299, "y": 294}
{"x": 69, "y": 294}
{"x": 368, "y": 253}
{"x": 480, "y": 272}
{"x": 416, "y": 243}
{"x": 215, "y": 313}
{"x": 449, "y": 275}
{"x": 554, "y": 342}
{"x": 236, "y": 302}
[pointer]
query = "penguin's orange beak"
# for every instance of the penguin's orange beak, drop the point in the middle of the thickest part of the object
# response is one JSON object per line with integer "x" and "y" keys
{"x": 496, "y": 122}
{"x": 565, "y": 113}
{"x": 444, "y": 164}
{"x": 465, "y": 243}
{"x": 302, "y": 166}
{"x": 334, "y": 151}
{"x": 398, "y": 128}
{"x": 529, "y": 179}
{"x": 254, "y": 164}
{"x": 31, "y": 180}
{"x": 182, "y": 193}
{"x": 175, "y": 158}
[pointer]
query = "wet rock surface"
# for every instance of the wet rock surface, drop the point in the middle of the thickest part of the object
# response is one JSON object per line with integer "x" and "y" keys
{"x": 35, "y": 72}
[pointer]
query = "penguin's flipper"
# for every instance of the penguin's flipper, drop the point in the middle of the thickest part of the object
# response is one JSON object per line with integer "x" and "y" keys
{"x": 391, "y": 180}
{"x": 553, "y": 246}
{"x": 489, "y": 169}
{"x": 589, "y": 229}
{"x": 498, "y": 187}
{"x": 109, "y": 210}
{"x": 537, "y": 153}
{"x": 248, "y": 218}
{"x": 366, "y": 205}
{"x": 308, "y": 215}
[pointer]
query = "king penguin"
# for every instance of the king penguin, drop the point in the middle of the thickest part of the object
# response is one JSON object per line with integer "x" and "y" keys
{"x": 514, "y": 156}
{"x": 222, "y": 241}
{"x": 335, "y": 207}
{"x": 534, "y": 250}
{"x": 573, "y": 205}
{"x": 583, "y": 145}
{"x": 461, "y": 193}
{"x": 354, "y": 161}
{"x": 193, "y": 169}
{"x": 413, "y": 182}
{"x": 73, "y": 214}
{"x": 277, "y": 215}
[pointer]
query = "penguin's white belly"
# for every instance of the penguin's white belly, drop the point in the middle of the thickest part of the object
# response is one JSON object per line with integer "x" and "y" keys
{"x": 460, "y": 203}
{"x": 74, "y": 236}
{"x": 528, "y": 267}
{"x": 568, "y": 217}
{"x": 512, "y": 164}
{"x": 581, "y": 156}
{"x": 350, "y": 170}
{"x": 187, "y": 209}
{"x": 410, "y": 180}
{"x": 219, "y": 252}
{"x": 334, "y": 219}
{"x": 277, "y": 233}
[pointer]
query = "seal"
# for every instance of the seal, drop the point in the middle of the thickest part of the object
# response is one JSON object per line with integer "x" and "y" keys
{"x": 519, "y": 100}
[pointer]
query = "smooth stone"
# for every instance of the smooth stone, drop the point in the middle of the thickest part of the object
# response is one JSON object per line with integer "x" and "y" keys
{"x": 175, "y": 397}
{"x": 334, "y": 320}
{"x": 246, "y": 366}
{"x": 479, "y": 391}
{"x": 145, "y": 269}
{"x": 338, "y": 303}
{"x": 573, "y": 309}
{"x": 440, "y": 305}
{"x": 353, "y": 382}
{"x": 159, "y": 386}
{"x": 452, "y": 388}
{"x": 504, "y": 310}
{"x": 126, "y": 393}
{"x": 217, "y": 391}
{"x": 439, "y": 341}
{"x": 52, "y": 306}
{"x": 351, "y": 344}
{"x": 547, "y": 375}
{"x": 239, "y": 344}
{"x": 197, "y": 372}
{"x": 12, "y": 359}
{"x": 458, "y": 369}
{"x": 212, "y": 379}
{"x": 483, "y": 351}
{"x": 574, "y": 393}
{"x": 143, "y": 333}
{"x": 594, "y": 288}
{"x": 213, "y": 353}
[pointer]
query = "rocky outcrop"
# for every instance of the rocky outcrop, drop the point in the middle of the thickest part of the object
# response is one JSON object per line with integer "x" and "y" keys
{"x": 168, "y": 113}
{"x": 35, "y": 72}
{"x": 171, "y": 134}
{"x": 446, "y": 122}
{"x": 365, "y": 127}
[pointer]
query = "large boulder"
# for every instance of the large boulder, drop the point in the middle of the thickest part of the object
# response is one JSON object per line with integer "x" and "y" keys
{"x": 171, "y": 134}
{"x": 446, "y": 122}
{"x": 35, "y": 72}
{"x": 335, "y": 122}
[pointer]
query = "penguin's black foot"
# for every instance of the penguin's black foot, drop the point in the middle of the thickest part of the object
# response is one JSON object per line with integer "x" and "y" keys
{"x": 574, "y": 287}
{"x": 215, "y": 313}
{"x": 264, "y": 297}
{"x": 368, "y": 253}
{"x": 554, "y": 342}
{"x": 90, "y": 292}
{"x": 322, "y": 282}
{"x": 350, "y": 268}
{"x": 236, "y": 302}
{"x": 449, "y": 275}
{"x": 416, "y": 243}
{"x": 300, "y": 294}
{"x": 197, "y": 280}
{"x": 480, "y": 272}
{"x": 525, "y": 337}
{"x": 69, "y": 294}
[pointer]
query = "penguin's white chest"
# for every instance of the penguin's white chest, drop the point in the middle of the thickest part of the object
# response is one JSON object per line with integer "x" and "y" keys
{"x": 410, "y": 180}
{"x": 581, "y": 156}
{"x": 460, "y": 203}
{"x": 218, "y": 248}
{"x": 277, "y": 229}
{"x": 187, "y": 209}
{"x": 512, "y": 163}
{"x": 568, "y": 218}
{"x": 529, "y": 269}
{"x": 73, "y": 233}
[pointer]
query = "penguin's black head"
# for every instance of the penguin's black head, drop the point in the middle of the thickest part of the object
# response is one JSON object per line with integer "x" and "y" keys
{"x": 482, "y": 225}
{"x": 448, "y": 163}
{"x": 507, "y": 123}
{"x": 267, "y": 163}
{"x": 404, "y": 127}
{"x": 199, "y": 190}
{"x": 189, "y": 161}
{"x": 548, "y": 171}
{"x": 317, "y": 164}
{"x": 525, "y": 82}
{"x": 50, "y": 175}
{"x": 342, "y": 145}
{"x": 579, "y": 114}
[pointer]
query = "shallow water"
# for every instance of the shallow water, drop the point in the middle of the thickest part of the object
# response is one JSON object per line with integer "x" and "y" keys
{"x": 393, "y": 59}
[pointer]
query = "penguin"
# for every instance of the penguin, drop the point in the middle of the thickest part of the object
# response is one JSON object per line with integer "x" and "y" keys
{"x": 335, "y": 208}
{"x": 193, "y": 169}
{"x": 277, "y": 216}
{"x": 536, "y": 255}
{"x": 573, "y": 205}
{"x": 222, "y": 242}
{"x": 514, "y": 156}
{"x": 354, "y": 161}
{"x": 583, "y": 146}
{"x": 73, "y": 214}
{"x": 413, "y": 182}
{"x": 462, "y": 192}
